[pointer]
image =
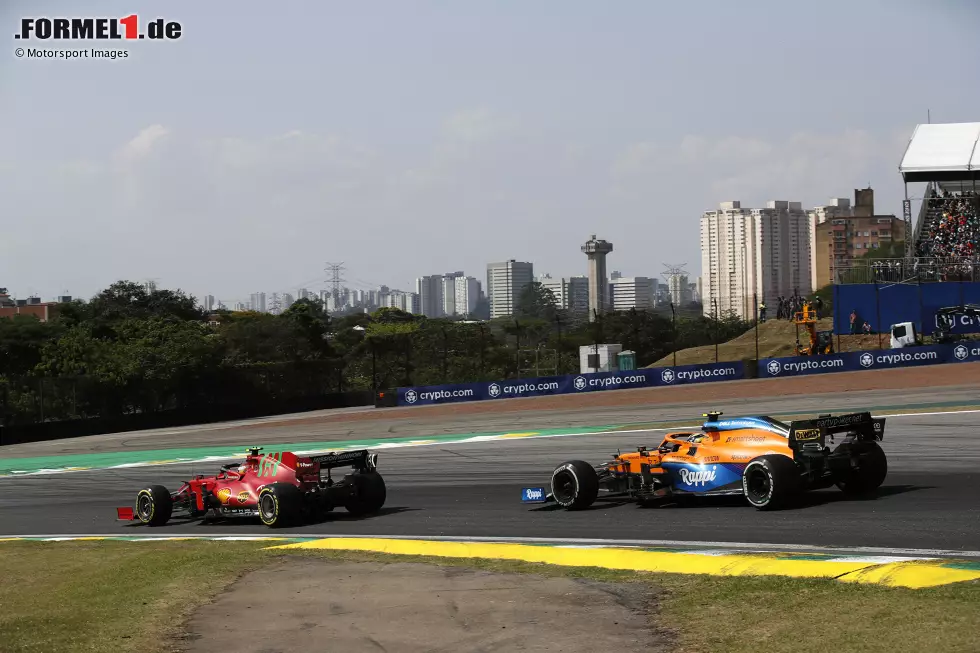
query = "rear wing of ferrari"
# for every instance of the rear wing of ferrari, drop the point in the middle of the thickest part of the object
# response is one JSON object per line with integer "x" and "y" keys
{"x": 807, "y": 432}
{"x": 362, "y": 460}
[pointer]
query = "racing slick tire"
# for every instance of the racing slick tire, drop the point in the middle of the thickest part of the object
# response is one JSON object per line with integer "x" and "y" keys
{"x": 574, "y": 485}
{"x": 280, "y": 504}
{"x": 771, "y": 482}
{"x": 870, "y": 472}
{"x": 154, "y": 506}
{"x": 369, "y": 494}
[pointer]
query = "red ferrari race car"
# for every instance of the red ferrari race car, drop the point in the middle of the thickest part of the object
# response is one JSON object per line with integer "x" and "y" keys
{"x": 281, "y": 489}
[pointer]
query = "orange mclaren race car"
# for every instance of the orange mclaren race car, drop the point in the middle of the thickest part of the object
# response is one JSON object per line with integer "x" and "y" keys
{"x": 767, "y": 461}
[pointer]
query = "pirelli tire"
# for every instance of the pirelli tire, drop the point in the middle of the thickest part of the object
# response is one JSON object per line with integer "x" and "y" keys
{"x": 574, "y": 485}
{"x": 154, "y": 506}
{"x": 280, "y": 505}
{"x": 868, "y": 471}
{"x": 771, "y": 482}
{"x": 368, "y": 494}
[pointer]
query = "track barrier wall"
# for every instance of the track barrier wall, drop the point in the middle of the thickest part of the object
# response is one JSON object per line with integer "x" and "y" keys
{"x": 767, "y": 368}
{"x": 571, "y": 384}
{"x": 884, "y": 304}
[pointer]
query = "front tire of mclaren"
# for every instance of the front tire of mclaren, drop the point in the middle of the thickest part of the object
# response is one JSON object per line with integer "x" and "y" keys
{"x": 574, "y": 485}
{"x": 868, "y": 472}
{"x": 770, "y": 482}
{"x": 280, "y": 504}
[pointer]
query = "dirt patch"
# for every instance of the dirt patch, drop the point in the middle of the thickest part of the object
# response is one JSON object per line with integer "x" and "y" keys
{"x": 305, "y": 604}
{"x": 933, "y": 376}
{"x": 775, "y": 338}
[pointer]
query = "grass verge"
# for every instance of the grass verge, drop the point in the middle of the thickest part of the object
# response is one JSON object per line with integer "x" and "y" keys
{"x": 123, "y": 596}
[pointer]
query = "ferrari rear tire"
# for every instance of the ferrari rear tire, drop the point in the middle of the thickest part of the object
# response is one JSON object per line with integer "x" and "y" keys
{"x": 869, "y": 473}
{"x": 369, "y": 494}
{"x": 771, "y": 482}
{"x": 280, "y": 504}
{"x": 574, "y": 485}
{"x": 154, "y": 505}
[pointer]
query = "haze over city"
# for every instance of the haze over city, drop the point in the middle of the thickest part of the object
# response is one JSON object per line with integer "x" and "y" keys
{"x": 418, "y": 138}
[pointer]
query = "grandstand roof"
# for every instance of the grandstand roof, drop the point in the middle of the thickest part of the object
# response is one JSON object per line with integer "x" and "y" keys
{"x": 945, "y": 152}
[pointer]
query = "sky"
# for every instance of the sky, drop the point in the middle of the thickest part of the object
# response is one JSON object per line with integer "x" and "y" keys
{"x": 410, "y": 138}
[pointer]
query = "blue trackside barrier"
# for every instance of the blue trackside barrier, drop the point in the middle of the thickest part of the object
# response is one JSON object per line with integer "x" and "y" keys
{"x": 571, "y": 384}
{"x": 877, "y": 359}
{"x": 886, "y": 304}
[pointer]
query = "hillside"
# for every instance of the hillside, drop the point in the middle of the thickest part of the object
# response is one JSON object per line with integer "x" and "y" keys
{"x": 776, "y": 338}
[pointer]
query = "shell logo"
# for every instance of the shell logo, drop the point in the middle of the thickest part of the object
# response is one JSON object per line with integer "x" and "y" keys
{"x": 224, "y": 494}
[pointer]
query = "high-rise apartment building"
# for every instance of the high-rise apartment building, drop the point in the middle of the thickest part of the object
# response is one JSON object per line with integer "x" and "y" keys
{"x": 258, "y": 302}
{"x": 505, "y": 283}
{"x": 406, "y": 301}
{"x": 571, "y": 293}
{"x": 449, "y": 292}
{"x": 749, "y": 254}
{"x": 208, "y": 303}
{"x": 466, "y": 294}
{"x": 840, "y": 233}
{"x": 430, "y": 292}
{"x": 633, "y": 292}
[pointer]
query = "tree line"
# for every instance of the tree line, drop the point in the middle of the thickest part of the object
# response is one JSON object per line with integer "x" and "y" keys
{"x": 131, "y": 350}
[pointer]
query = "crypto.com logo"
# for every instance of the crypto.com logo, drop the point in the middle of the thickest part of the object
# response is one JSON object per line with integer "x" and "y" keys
{"x": 97, "y": 29}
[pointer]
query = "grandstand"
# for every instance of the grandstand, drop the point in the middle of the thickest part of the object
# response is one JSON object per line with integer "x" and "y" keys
{"x": 945, "y": 241}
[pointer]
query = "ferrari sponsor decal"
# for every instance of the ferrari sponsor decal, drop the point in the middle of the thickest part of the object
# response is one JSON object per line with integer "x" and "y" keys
{"x": 807, "y": 434}
{"x": 224, "y": 494}
{"x": 243, "y": 497}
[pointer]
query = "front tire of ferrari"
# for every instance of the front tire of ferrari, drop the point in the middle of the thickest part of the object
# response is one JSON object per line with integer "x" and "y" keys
{"x": 574, "y": 485}
{"x": 868, "y": 475}
{"x": 280, "y": 504}
{"x": 369, "y": 494}
{"x": 154, "y": 505}
{"x": 770, "y": 482}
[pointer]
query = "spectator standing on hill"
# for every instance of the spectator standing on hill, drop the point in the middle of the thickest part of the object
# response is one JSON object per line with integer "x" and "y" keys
{"x": 762, "y": 311}
{"x": 854, "y": 322}
{"x": 817, "y": 306}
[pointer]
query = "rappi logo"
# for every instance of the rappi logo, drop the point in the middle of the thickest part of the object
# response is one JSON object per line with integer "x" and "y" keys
{"x": 97, "y": 29}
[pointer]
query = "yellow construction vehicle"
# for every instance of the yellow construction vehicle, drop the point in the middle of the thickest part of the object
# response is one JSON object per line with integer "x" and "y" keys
{"x": 821, "y": 342}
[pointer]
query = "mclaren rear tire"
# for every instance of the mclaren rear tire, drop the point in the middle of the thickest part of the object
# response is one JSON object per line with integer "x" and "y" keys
{"x": 369, "y": 494}
{"x": 771, "y": 482}
{"x": 154, "y": 505}
{"x": 574, "y": 485}
{"x": 868, "y": 471}
{"x": 280, "y": 505}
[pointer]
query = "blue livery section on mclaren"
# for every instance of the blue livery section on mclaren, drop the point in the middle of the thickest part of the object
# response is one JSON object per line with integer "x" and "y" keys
{"x": 704, "y": 478}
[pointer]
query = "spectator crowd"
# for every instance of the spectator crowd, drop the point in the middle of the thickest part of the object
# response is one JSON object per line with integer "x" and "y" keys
{"x": 956, "y": 232}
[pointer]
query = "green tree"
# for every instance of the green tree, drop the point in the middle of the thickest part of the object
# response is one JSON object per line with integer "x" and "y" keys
{"x": 536, "y": 301}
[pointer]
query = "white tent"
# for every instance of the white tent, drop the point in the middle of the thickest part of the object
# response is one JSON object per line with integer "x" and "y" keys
{"x": 943, "y": 152}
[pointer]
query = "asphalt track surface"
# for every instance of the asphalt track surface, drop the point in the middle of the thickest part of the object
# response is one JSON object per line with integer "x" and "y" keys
{"x": 337, "y": 425}
{"x": 928, "y": 501}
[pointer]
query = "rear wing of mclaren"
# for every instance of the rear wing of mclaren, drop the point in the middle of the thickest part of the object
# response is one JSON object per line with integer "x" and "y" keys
{"x": 807, "y": 432}
{"x": 362, "y": 460}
